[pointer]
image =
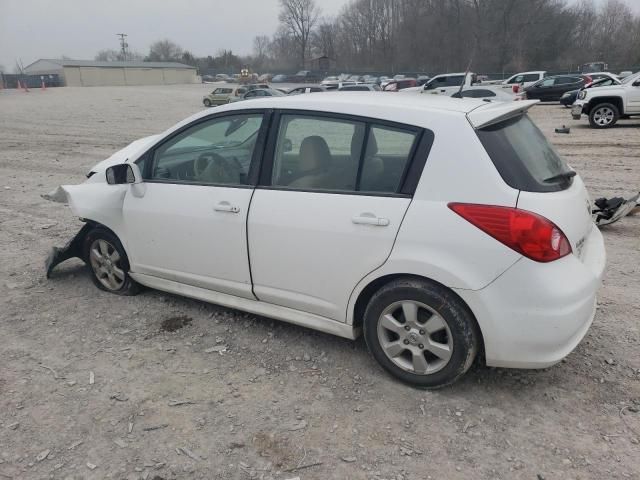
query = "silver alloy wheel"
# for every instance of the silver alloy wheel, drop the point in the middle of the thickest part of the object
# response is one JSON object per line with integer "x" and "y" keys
{"x": 603, "y": 116}
{"x": 106, "y": 264}
{"x": 415, "y": 337}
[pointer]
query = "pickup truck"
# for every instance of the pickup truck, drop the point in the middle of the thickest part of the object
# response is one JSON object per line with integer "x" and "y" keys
{"x": 445, "y": 84}
{"x": 606, "y": 105}
{"x": 524, "y": 79}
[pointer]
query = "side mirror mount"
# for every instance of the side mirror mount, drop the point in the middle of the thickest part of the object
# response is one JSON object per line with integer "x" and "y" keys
{"x": 123, "y": 173}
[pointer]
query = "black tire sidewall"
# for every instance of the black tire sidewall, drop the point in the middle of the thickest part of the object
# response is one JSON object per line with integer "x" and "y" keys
{"x": 129, "y": 287}
{"x": 455, "y": 313}
{"x": 616, "y": 115}
{"x": 207, "y": 103}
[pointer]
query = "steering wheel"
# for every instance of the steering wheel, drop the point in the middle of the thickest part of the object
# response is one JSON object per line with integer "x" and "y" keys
{"x": 212, "y": 167}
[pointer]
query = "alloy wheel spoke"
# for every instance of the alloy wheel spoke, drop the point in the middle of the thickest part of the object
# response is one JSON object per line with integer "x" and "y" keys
{"x": 440, "y": 350}
{"x": 95, "y": 255}
{"x": 394, "y": 349}
{"x": 115, "y": 256}
{"x": 419, "y": 361}
{"x": 390, "y": 323}
{"x": 104, "y": 248}
{"x": 118, "y": 273}
{"x": 434, "y": 324}
{"x": 410, "y": 311}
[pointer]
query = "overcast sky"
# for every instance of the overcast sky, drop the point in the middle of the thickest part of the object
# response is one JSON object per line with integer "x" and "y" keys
{"x": 33, "y": 29}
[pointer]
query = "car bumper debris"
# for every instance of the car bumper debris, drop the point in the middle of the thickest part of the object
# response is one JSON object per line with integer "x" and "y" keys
{"x": 73, "y": 249}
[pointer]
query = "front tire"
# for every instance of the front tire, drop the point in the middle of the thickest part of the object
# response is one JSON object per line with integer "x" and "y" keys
{"x": 421, "y": 332}
{"x": 603, "y": 115}
{"x": 206, "y": 102}
{"x": 108, "y": 263}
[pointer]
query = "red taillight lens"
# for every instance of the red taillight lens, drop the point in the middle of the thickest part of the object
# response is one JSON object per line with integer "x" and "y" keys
{"x": 525, "y": 232}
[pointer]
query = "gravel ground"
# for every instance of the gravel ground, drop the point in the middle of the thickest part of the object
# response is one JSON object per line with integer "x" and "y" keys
{"x": 93, "y": 386}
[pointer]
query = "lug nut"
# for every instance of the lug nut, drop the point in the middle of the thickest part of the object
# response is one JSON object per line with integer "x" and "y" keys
{"x": 406, "y": 342}
{"x": 421, "y": 346}
{"x": 407, "y": 328}
{"x": 422, "y": 332}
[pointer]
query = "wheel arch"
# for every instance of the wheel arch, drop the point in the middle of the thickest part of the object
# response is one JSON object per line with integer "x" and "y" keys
{"x": 365, "y": 294}
{"x": 617, "y": 101}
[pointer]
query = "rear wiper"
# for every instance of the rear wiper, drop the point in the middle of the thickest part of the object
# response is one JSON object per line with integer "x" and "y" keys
{"x": 561, "y": 176}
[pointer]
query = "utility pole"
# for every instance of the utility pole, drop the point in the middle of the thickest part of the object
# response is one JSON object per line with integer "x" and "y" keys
{"x": 123, "y": 45}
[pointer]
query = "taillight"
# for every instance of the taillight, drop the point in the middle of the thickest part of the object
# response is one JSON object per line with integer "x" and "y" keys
{"x": 525, "y": 232}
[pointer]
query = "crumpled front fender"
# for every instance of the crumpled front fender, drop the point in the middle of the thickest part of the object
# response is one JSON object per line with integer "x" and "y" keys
{"x": 73, "y": 249}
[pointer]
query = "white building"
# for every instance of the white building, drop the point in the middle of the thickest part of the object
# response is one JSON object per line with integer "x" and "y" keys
{"x": 88, "y": 73}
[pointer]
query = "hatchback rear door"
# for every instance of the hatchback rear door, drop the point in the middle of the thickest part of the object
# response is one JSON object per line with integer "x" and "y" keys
{"x": 332, "y": 195}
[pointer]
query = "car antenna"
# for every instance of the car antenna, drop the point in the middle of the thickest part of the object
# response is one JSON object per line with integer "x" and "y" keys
{"x": 464, "y": 78}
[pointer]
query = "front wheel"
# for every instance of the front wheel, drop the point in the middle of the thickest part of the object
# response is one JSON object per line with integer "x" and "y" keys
{"x": 206, "y": 102}
{"x": 108, "y": 263}
{"x": 421, "y": 332}
{"x": 603, "y": 115}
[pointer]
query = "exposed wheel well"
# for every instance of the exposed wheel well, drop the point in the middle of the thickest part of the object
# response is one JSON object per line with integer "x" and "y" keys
{"x": 378, "y": 283}
{"x": 617, "y": 101}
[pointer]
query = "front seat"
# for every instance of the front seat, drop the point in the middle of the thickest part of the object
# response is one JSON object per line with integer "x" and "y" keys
{"x": 314, "y": 161}
{"x": 372, "y": 176}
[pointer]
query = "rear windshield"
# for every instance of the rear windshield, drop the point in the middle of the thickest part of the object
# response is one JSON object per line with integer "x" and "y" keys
{"x": 523, "y": 156}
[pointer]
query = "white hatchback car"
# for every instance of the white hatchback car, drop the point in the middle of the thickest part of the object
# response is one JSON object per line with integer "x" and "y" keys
{"x": 440, "y": 227}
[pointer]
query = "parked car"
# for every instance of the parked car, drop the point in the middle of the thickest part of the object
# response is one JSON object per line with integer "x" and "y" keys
{"x": 397, "y": 85}
{"x": 307, "y": 89}
{"x": 597, "y": 80}
{"x": 503, "y": 260}
{"x": 305, "y": 76}
{"x": 208, "y": 79}
{"x": 422, "y": 79}
{"x": 487, "y": 92}
{"x": 551, "y": 89}
{"x": 362, "y": 87}
{"x": 259, "y": 92}
{"x": 279, "y": 78}
{"x": 522, "y": 79}
{"x": 329, "y": 80}
{"x": 338, "y": 85}
{"x": 605, "y": 105}
{"x": 220, "y": 96}
{"x": 446, "y": 83}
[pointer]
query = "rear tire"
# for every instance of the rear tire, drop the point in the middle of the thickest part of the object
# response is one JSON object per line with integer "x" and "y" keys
{"x": 207, "y": 102}
{"x": 108, "y": 263}
{"x": 421, "y": 332}
{"x": 603, "y": 115}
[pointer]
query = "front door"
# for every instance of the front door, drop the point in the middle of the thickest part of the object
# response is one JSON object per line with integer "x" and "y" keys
{"x": 328, "y": 208}
{"x": 633, "y": 97}
{"x": 189, "y": 224}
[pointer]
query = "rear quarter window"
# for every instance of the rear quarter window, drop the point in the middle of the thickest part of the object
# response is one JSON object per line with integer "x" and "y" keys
{"x": 523, "y": 156}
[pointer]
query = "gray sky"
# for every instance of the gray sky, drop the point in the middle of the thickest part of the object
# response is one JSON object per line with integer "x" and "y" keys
{"x": 32, "y": 29}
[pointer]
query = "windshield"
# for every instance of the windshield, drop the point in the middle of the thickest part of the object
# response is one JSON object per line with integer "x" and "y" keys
{"x": 523, "y": 156}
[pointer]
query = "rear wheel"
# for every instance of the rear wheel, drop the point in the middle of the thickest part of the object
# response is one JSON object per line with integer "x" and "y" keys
{"x": 207, "y": 102}
{"x": 421, "y": 332}
{"x": 108, "y": 263}
{"x": 603, "y": 115}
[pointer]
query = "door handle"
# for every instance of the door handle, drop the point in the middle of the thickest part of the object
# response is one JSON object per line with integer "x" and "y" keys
{"x": 370, "y": 219}
{"x": 226, "y": 207}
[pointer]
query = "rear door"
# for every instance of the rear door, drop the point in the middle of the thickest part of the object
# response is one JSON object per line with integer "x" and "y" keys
{"x": 332, "y": 195}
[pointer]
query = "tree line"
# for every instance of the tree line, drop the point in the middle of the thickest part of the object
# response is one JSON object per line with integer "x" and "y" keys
{"x": 432, "y": 36}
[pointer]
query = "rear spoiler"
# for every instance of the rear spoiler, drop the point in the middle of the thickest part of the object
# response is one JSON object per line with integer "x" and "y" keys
{"x": 496, "y": 112}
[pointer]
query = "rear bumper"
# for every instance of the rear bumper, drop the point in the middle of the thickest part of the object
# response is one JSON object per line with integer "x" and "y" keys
{"x": 535, "y": 314}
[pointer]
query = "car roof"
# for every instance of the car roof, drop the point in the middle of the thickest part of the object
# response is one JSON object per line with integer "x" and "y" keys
{"x": 408, "y": 108}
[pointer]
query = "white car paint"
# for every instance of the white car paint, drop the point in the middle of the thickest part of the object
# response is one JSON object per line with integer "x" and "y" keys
{"x": 299, "y": 256}
{"x": 433, "y": 86}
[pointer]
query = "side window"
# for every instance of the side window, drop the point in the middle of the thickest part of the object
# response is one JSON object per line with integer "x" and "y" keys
{"x": 216, "y": 151}
{"x": 317, "y": 153}
{"x": 321, "y": 153}
{"x": 517, "y": 79}
{"x": 531, "y": 77}
{"x": 386, "y": 157}
{"x": 548, "y": 82}
{"x": 454, "y": 81}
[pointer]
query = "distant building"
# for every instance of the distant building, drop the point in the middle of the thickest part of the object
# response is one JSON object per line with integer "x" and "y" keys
{"x": 87, "y": 73}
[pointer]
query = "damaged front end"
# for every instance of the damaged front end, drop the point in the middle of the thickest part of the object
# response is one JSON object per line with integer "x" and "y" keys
{"x": 73, "y": 249}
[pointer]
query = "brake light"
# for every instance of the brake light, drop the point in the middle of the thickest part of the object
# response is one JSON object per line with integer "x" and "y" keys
{"x": 525, "y": 232}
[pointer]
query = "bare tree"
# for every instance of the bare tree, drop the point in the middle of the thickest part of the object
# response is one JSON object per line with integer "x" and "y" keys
{"x": 299, "y": 17}
{"x": 108, "y": 55}
{"x": 164, "y": 51}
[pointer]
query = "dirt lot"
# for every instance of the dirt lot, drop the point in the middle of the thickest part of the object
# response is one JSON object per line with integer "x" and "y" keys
{"x": 92, "y": 387}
